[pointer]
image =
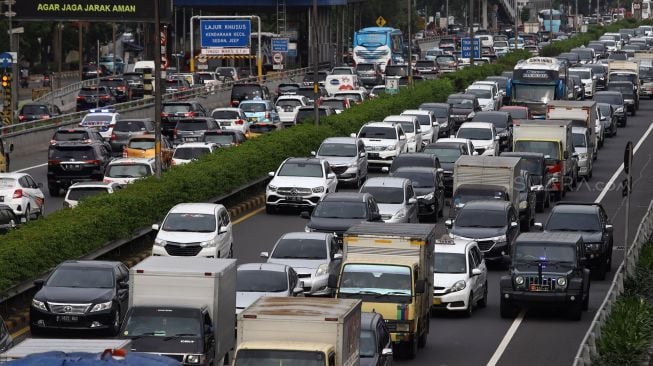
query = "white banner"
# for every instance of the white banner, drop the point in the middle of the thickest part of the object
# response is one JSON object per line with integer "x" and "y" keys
{"x": 226, "y": 51}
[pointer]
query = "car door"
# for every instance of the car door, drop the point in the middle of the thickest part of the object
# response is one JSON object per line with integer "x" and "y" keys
{"x": 225, "y": 238}
{"x": 362, "y": 158}
{"x": 439, "y": 189}
{"x": 332, "y": 182}
{"x": 122, "y": 291}
{"x": 334, "y": 263}
{"x": 401, "y": 140}
{"x": 480, "y": 264}
{"x": 474, "y": 281}
{"x": 418, "y": 135}
{"x": 38, "y": 197}
{"x": 513, "y": 232}
{"x": 411, "y": 208}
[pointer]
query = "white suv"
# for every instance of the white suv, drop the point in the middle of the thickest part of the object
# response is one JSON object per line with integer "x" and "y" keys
{"x": 383, "y": 142}
{"x": 195, "y": 230}
{"x": 395, "y": 197}
{"x": 428, "y": 124}
{"x": 482, "y": 135}
{"x": 459, "y": 276}
{"x": 185, "y": 153}
{"x": 299, "y": 183}
{"x": 126, "y": 170}
{"x": 411, "y": 128}
{"x": 288, "y": 106}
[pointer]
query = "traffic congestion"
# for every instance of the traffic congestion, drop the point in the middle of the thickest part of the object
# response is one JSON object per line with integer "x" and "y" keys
{"x": 378, "y": 246}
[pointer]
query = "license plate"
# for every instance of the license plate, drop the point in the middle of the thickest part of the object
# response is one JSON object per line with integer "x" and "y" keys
{"x": 373, "y": 156}
{"x": 190, "y": 139}
{"x": 67, "y": 319}
{"x": 437, "y": 301}
{"x": 225, "y": 123}
{"x": 293, "y": 198}
{"x": 254, "y": 119}
{"x": 538, "y": 288}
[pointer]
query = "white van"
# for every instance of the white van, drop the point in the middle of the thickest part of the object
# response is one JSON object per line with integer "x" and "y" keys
{"x": 341, "y": 82}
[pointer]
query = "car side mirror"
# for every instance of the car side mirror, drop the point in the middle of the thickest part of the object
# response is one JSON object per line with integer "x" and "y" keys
{"x": 313, "y": 153}
{"x": 123, "y": 284}
{"x": 439, "y": 170}
{"x": 448, "y": 223}
{"x": 332, "y": 282}
{"x": 475, "y": 153}
{"x": 385, "y": 169}
{"x": 412, "y": 201}
{"x": 609, "y": 227}
{"x": 497, "y": 138}
{"x": 222, "y": 230}
{"x": 476, "y": 272}
{"x": 299, "y": 289}
{"x": 514, "y": 224}
{"x": 420, "y": 286}
{"x": 353, "y": 135}
{"x": 155, "y": 227}
{"x": 538, "y": 226}
{"x": 362, "y": 155}
{"x": 265, "y": 255}
{"x": 402, "y": 137}
{"x": 39, "y": 283}
{"x": 331, "y": 176}
{"x": 271, "y": 174}
{"x": 305, "y": 215}
{"x": 337, "y": 256}
{"x": 386, "y": 352}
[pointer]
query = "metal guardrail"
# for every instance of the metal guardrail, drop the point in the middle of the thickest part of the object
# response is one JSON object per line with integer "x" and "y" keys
{"x": 588, "y": 347}
{"x": 73, "y": 118}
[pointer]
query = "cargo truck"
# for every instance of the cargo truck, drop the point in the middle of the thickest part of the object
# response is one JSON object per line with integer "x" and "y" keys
{"x": 625, "y": 71}
{"x": 182, "y": 307}
{"x": 582, "y": 114}
{"x": 552, "y": 138}
{"x": 390, "y": 268}
{"x": 500, "y": 176}
{"x": 299, "y": 331}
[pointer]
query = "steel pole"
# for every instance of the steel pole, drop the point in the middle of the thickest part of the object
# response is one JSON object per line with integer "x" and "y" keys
{"x": 157, "y": 91}
{"x": 113, "y": 36}
{"x": 410, "y": 43}
{"x": 316, "y": 87}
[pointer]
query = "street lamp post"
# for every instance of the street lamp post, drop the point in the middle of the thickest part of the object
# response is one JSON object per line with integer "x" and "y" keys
{"x": 410, "y": 44}
{"x": 157, "y": 91}
{"x": 316, "y": 88}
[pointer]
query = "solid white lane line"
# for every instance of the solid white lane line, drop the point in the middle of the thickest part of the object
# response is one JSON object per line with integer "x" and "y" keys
{"x": 616, "y": 174}
{"x": 515, "y": 324}
{"x": 506, "y": 339}
{"x": 30, "y": 168}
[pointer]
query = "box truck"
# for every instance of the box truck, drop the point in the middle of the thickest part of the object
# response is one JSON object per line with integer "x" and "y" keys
{"x": 182, "y": 307}
{"x": 582, "y": 114}
{"x": 299, "y": 331}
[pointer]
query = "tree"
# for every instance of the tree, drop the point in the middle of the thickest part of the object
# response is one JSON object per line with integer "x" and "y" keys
{"x": 525, "y": 14}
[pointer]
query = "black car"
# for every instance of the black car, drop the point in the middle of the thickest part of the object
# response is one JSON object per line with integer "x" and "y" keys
{"x": 192, "y": 129}
{"x": 527, "y": 200}
{"x": 135, "y": 82}
{"x": 592, "y": 223}
{"x": 429, "y": 190}
{"x": 572, "y": 58}
{"x": 224, "y": 138}
{"x": 35, "y": 111}
{"x": 375, "y": 342}
{"x": 396, "y": 70}
{"x": 6, "y": 341}
{"x": 8, "y": 221}
{"x": 172, "y": 112}
{"x": 540, "y": 177}
{"x": 600, "y": 72}
{"x": 78, "y": 134}
{"x": 287, "y": 89}
{"x": 369, "y": 73}
{"x": 463, "y": 108}
{"x": 414, "y": 160}
{"x": 548, "y": 270}
{"x": 615, "y": 99}
{"x": 628, "y": 92}
{"x": 81, "y": 295}
{"x": 248, "y": 91}
{"x": 493, "y": 224}
{"x": 442, "y": 112}
{"x": 608, "y": 118}
{"x": 502, "y": 122}
{"x": 447, "y": 154}
{"x": 71, "y": 162}
{"x": 94, "y": 97}
{"x": 338, "y": 211}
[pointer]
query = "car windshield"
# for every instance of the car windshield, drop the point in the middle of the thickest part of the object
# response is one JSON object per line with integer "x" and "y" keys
{"x": 480, "y": 93}
{"x": 129, "y": 126}
{"x": 288, "y": 105}
{"x": 128, "y": 170}
{"x": 297, "y": 248}
{"x": 71, "y": 153}
{"x": 497, "y": 119}
{"x": 333, "y": 103}
{"x": 376, "y": 278}
{"x": 191, "y": 125}
{"x": 605, "y": 110}
{"x": 77, "y": 194}
{"x": 445, "y": 155}
{"x": 190, "y": 153}
{"x": 534, "y": 93}
{"x": 538, "y": 252}
{"x": 408, "y": 127}
{"x": 190, "y": 222}
{"x": 367, "y": 344}
{"x": 419, "y": 180}
{"x": 445, "y": 59}
{"x": 355, "y": 97}
{"x": 461, "y": 103}
{"x": 378, "y": 133}
{"x": 142, "y": 144}
{"x": 625, "y": 89}
{"x": 72, "y": 135}
{"x": 481, "y": 218}
{"x": 261, "y": 281}
{"x": 442, "y": 112}
{"x": 532, "y": 165}
{"x": 240, "y": 92}
{"x": 81, "y": 277}
{"x": 225, "y": 71}
{"x": 610, "y": 98}
{"x": 449, "y": 263}
{"x": 225, "y": 114}
{"x": 163, "y": 322}
{"x": 562, "y": 221}
{"x": 273, "y": 357}
{"x": 93, "y": 91}
{"x": 582, "y": 74}
{"x": 35, "y": 109}
{"x": 646, "y": 72}
{"x": 473, "y": 133}
{"x": 365, "y": 67}
{"x": 422, "y": 119}
{"x": 501, "y": 44}
{"x": 337, "y": 149}
{"x": 298, "y": 169}
{"x": 305, "y": 115}
{"x": 219, "y": 139}
{"x": 253, "y": 107}
{"x": 518, "y": 113}
{"x": 390, "y": 195}
{"x": 340, "y": 210}
{"x": 112, "y": 83}
{"x": 548, "y": 148}
{"x": 579, "y": 140}
{"x": 424, "y": 64}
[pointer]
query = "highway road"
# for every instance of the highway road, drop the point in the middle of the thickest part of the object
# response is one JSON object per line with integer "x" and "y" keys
{"x": 533, "y": 338}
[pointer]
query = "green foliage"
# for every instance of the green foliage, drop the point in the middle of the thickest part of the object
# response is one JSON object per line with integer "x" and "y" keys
{"x": 66, "y": 234}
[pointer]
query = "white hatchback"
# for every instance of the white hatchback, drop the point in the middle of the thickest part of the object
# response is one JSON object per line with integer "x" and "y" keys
{"x": 185, "y": 153}
{"x": 20, "y": 192}
{"x": 482, "y": 135}
{"x": 126, "y": 170}
{"x": 231, "y": 119}
{"x": 288, "y": 106}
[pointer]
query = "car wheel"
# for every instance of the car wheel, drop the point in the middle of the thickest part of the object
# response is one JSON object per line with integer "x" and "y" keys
{"x": 547, "y": 197}
{"x": 270, "y": 210}
{"x": 115, "y": 327}
{"x": 28, "y": 213}
{"x": 41, "y": 213}
{"x": 483, "y": 301}
{"x": 576, "y": 310}
{"x": 586, "y": 300}
{"x": 599, "y": 273}
{"x": 507, "y": 310}
{"x": 411, "y": 348}
{"x": 470, "y": 306}
{"x": 609, "y": 267}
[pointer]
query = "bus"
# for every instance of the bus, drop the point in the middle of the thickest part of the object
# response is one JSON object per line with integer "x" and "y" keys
{"x": 550, "y": 20}
{"x": 379, "y": 45}
{"x": 538, "y": 80}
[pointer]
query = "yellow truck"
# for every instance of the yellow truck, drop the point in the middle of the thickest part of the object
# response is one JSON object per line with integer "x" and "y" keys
{"x": 299, "y": 331}
{"x": 390, "y": 268}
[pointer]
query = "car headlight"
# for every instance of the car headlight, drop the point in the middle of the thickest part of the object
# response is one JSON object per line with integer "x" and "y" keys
{"x": 562, "y": 281}
{"x": 272, "y": 188}
{"x": 523, "y": 205}
{"x": 458, "y": 286}
{"x": 193, "y": 359}
{"x": 319, "y": 189}
{"x": 519, "y": 280}
{"x": 403, "y": 327}
{"x": 160, "y": 242}
{"x": 582, "y": 156}
{"x": 391, "y": 147}
{"x": 39, "y": 305}
{"x": 442, "y": 124}
{"x": 620, "y": 110}
{"x": 471, "y": 115}
{"x": 427, "y": 197}
{"x": 322, "y": 269}
{"x": 101, "y": 306}
{"x": 499, "y": 239}
{"x": 209, "y": 243}
{"x": 307, "y": 229}
{"x": 593, "y": 246}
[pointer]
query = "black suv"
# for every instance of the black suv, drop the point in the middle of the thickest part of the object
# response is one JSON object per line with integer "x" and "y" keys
{"x": 70, "y": 162}
{"x": 172, "y": 112}
{"x": 617, "y": 101}
{"x": 463, "y": 108}
{"x": 34, "y": 111}
{"x": 592, "y": 223}
{"x": 193, "y": 129}
{"x": 119, "y": 86}
{"x": 94, "y": 97}
{"x": 547, "y": 269}
{"x": 248, "y": 91}
{"x": 447, "y": 153}
{"x": 540, "y": 176}
{"x": 78, "y": 134}
{"x": 429, "y": 190}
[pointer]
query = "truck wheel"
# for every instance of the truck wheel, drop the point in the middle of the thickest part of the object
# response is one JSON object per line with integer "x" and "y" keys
{"x": 411, "y": 348}
{"x": 270, "y": 210}
{"x": 507, "y": 310}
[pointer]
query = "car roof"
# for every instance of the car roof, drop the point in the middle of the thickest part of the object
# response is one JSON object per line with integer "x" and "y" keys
{"x": 487, "y": 125}
{"x": 578, "y": 208}
{"x": 395, "y": 182}
{"x": 453, "y": 139}
{"x": 132, "y": 160}
{"x": 92, "y": 184}
{"x": 414, "y": 169}
{"x": 199, "y": 208}
{"x": 303, "y": 160}
{"x": 421, "y": 112}
{"x": 341, "y": 140}
{"x": 90, "y": 263}
{"x": 493, "y": 113}
{"x": 12, "y": 175}
{"x": 229, "y": 109}
{"x": 550, "y": 238}
{"x": 379, "y": 124}
{"x": 399, "y": 118}
{"x": 522, "y": 154}
{"x": 305, "y": 235}
{"x": 273, "y": 267}
{"x": 491, "y": 205}
{"x": 196, "y": 144}
{"x": 434, "y": 105}
{"x": 578, "y": 130}
{"x": 462, "y": 95}
{"x": 346, "y": 197}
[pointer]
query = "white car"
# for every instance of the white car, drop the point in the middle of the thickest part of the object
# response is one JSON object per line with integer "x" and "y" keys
{"x": 501, "y": 48}
{"x": 126, "y": 170}
{"x": 482, "y": 135}
{"x": 196, "y": 230}
{"x": 22, "y": 194}
{"x": 411, "y": 128}
{"x": 383, "y": 142}
{"x": 587, "y": 78}
{"x": 355, "y": 96}
{"x": 287, "y": 107}
{"x": 395, "y": 197}
{"x": 299, "y": 183}
{"x": 185, "y": 153}
{"x": 347, "y": 158}
{"x": 468, "y": 142}
{"x": 255, "y": 280}
{"x": 231, "y": 119}
{"x": 428, "y": 123}
{"x": 102, "y": 120}
{"x": 496, "y": 91}
{"x": 81, "y": 190}
{"x": 485, "y": 94}
{"x": 459, "y": 276}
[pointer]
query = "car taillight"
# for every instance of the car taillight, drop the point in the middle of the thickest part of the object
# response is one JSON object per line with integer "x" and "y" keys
{"x": 234, "y": 103}
{"x": 164, "y": 114}
{"x": 22, "y": 118}
{"x": 53, "y": 142}
{"x": 122, "y": 88}
{"x": 113, "y": 137}
{"x": 105, "y": 180}
{"x": 267, "y": 115}
{"x": 239, "y": 121}
{"x": 94, "y": 162}
{"x": 80, "y": 98}
{"x": 45, "y": 116}
{"x": 53, "y": 162}
{"x": 104, "y": 97}
{"x": 18, "y": 193}
{"x": 189, "y": 114}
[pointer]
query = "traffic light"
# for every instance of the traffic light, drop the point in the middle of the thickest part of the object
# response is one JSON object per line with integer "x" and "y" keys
{"x": 6, "y": 82}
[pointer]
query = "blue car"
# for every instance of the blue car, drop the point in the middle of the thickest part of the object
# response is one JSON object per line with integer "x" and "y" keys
{"x": 261, "y": 112}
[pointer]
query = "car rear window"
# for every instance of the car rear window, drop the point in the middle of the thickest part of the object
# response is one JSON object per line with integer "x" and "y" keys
{"x": 253, "y": 107}
{"x": 76, "y": 194}
{"x": 92, "y": 91}
{"x": 71, "y": 153}
{"x": 191, "y": 125}
{"x": 245, "y": 92}
{"x": 225, "y": 115}
{"x": 308, "y": 114}
{"x": 73, "y": 135}
{"x": 112, "y": 83}
{"x": 130, "y": 126}
{"x": 378, "y": 133}
{"x": 190, "y": 153}
{"x": 365, "y": 67}
{"x": 177, "y": 108}
{"x": 220, "y": 139}
{"x": 128, "y": 170}
{"x": 35, "y": 109}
